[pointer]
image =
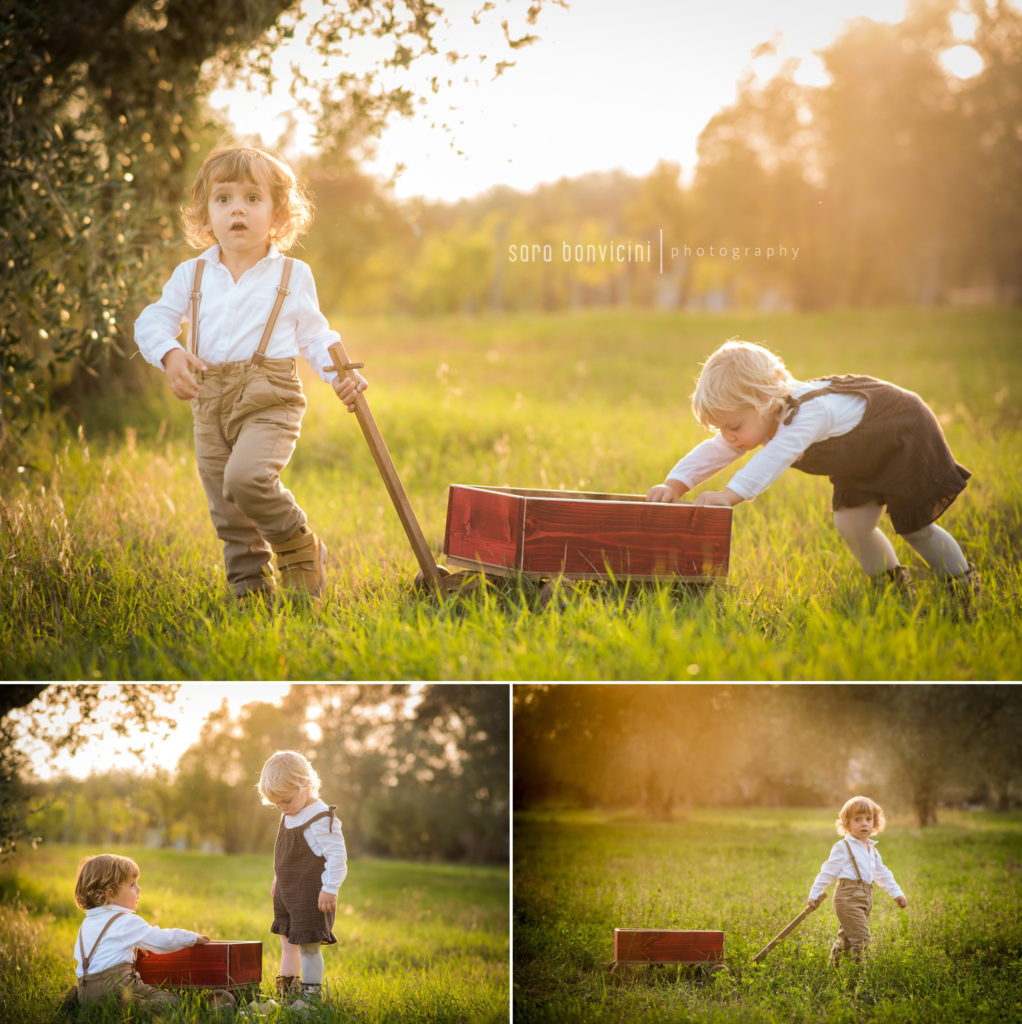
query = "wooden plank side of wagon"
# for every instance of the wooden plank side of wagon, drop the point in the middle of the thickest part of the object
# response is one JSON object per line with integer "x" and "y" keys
{"x": 655, "y": 945}
{"x": 638, "y": 540}
{"x": 484, "y": 529}
{"x": 192, "y": 967}
{"x": 223, "y": 964}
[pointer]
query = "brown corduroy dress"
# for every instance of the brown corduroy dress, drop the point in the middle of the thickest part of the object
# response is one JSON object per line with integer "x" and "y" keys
{"x": 299, "y": 871}
{"x": 896, "y": 455}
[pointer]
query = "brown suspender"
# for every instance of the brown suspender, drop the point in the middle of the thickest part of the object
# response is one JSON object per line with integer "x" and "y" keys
{"x": 86, "y": 960}
{"x": 858, "y": 874}
{"x": 792, "y": 405}
{"x": 193, "y": 329}
{"x": 282, "y": 293}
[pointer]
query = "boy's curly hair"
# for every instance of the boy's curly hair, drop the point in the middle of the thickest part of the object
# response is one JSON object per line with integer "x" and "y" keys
{"x": 860, "y": 805}
{"x": 100, "y": 877}
{"x": 737, "y": 375}
{"x": 291, "y": 203}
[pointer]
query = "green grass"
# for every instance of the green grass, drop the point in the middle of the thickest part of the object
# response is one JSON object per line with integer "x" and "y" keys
{"x": 953, "y": 955}
{"x": 112, "y": 569}
{"x": 415, "y": 942}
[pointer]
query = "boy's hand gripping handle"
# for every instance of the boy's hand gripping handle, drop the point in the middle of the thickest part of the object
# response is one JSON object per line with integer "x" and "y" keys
{"x": 431, "y": 574}
{"x": 784, "y": 931}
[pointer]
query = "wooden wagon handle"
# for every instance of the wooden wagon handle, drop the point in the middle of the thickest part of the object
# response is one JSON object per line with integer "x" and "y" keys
{"x": 786, "y": 930}
{"x": 345, "y": 367}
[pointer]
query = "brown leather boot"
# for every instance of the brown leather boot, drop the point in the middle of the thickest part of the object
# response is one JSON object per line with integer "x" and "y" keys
{"x": 289, "y": 987}
{"x": 899, "y": 578}
{"x": 963, "y": 591}
{"x": 300, "y": 561}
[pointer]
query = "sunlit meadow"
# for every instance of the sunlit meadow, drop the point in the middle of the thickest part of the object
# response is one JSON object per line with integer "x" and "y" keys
{"x": 416, "y": 942}
{"x": 952, "y": 955}
{"x": 112, "y": 569}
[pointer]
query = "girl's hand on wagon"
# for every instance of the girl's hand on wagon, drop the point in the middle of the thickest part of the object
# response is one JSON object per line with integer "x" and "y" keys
{"x": 724, "y": 497}
{"x": 202, "y": 940}
{"x": 669, "y": 490}
{"x": 327, "y": 901}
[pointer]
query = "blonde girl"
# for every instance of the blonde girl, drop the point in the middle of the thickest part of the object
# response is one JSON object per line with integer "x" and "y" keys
{"x": 107, "y": 889}
{"x": 879, "y": 444}
{"x": 856, "y": 864}
{"x": 309, "y": 865}
{"x": 251, "y": 312}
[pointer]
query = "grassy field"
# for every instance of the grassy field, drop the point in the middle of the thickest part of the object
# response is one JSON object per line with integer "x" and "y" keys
{"x": 416, "y": 942}
{"x": 953, "y": 955}
{"x": 112, "y": 569}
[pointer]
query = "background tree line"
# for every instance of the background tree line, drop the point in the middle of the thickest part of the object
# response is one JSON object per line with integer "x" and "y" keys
{"x": 419, "y": 775}
{"x": 661, "y": 749}
{"x": 896, "y": 182}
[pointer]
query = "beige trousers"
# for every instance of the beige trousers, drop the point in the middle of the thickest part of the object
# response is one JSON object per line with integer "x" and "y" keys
{"x": 121, "y": 982}
{"x": 247, "y": 422}
{"x": 853, "y": 902}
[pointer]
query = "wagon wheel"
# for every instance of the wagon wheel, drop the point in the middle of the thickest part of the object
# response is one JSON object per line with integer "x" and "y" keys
{"x": 620, "y": 972}
{"x": 420, "y": 578}
{"x": 551, "y": 588}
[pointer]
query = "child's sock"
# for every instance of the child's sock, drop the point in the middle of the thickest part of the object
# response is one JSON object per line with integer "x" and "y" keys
{"x": 312, "y": 964}
{"x": 940, "y": 551}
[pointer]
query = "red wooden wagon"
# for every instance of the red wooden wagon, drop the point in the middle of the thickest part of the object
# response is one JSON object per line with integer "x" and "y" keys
{"x": 641, "y": 946}
{"x": 580, "y": 535}
{"x": 235, "y": 966}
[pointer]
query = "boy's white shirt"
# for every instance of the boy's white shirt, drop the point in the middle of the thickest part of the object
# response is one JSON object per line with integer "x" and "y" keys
{"x": 824, "y": 417}
{"x": 867, "y": 857}
{"x": 122, "y": 938}
{"x": 323, "y": 842}
{"x": 232, "y": 314}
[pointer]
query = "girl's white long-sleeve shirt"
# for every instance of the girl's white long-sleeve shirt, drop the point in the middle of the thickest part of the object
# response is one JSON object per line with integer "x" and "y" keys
{"x": 232, "y": 314}
{"x": 824, "y": 417}
{"x": 867, "y": 858}
{"x": 325, "y": 840}
{"x": 126, "y": 934}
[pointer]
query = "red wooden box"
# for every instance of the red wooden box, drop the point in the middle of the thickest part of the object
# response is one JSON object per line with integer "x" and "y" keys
{"x": 671, "y": 946}
{"x": 230, "y": 965}
{"x": 584, "y": 536}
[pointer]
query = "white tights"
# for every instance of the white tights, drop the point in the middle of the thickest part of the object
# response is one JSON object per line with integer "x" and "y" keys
{"x": 306, "y": 959}
{"x": 860, "y": 528}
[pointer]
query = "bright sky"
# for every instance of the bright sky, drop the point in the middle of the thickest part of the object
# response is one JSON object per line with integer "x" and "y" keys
{"x": 608, "y": 85}
{"x": 107, "y": 751}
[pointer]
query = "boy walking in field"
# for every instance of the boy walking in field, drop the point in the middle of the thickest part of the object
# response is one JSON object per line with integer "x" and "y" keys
{"x": 251, "y": 312}
{"x": 855, "y": 862}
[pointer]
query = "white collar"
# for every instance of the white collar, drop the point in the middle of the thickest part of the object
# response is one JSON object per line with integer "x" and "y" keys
{"x": 870, "y": 842}
{"x": 212, "y": 254}
{"x": 294, "y": 820}
{"x": 107, "y": 910}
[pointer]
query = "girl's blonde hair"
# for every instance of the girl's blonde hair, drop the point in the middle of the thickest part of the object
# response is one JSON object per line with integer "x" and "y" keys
{"x": 737, "y": 375}
{"x": 292, "y": 206}
{"x": 100, "y": 877}
{"x": 860, "y": 805}
{"x": 284, "y": 773}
